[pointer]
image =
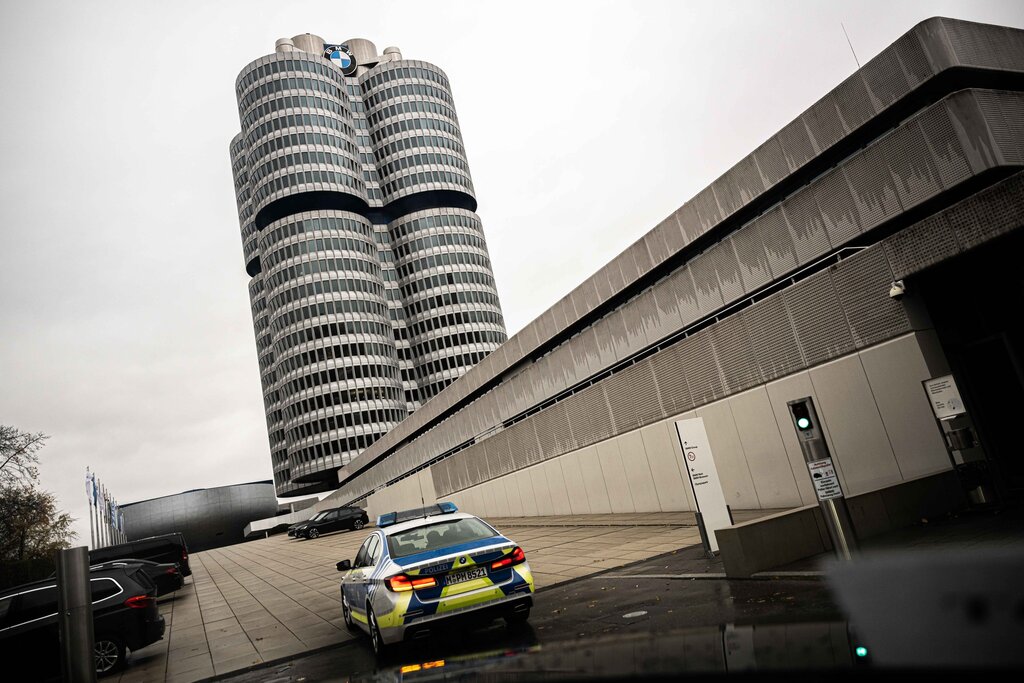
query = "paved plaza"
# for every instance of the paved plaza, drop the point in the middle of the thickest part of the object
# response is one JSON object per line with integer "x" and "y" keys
{"x": 278, "y": 597}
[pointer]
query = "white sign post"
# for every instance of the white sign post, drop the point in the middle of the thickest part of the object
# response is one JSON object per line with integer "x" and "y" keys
{"x": 703, "y": 475}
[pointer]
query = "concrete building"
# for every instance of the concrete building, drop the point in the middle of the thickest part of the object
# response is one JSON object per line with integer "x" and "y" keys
{"x": 371, "y": 286}
{"x": 209, "y": 518}
{"x": 871, "y": 244}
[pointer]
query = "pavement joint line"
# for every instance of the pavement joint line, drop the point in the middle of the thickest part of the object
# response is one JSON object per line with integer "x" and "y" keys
{"x": 273, "y": 566}
{"x": 703, "y": 575}
{"x": 258, "y": 578}
{"x": 202, "y": 621}
{"x": 605, "y": 573}
{"x": 719, "y": 576}
{"x": 276, "y": 662}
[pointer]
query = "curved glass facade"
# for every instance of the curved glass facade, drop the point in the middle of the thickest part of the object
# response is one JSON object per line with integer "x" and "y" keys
{"x": 371, "y": 285}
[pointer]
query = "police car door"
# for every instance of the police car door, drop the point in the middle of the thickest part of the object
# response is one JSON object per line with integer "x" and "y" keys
{"x": 356, "y": 583}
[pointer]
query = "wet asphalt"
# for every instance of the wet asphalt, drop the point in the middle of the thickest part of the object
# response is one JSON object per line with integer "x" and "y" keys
{"x": 640, "y": 608}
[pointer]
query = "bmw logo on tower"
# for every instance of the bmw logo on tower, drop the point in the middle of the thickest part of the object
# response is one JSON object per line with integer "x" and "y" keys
{"x": 340, "y": 56}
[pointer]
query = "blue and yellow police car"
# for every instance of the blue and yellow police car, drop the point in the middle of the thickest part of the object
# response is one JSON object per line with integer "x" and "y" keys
{"x": 423, "y": 567}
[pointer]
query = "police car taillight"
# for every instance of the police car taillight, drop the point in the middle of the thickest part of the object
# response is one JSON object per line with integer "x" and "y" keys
{"x": 517, "y": 556}
{"x": 402, "y": 583}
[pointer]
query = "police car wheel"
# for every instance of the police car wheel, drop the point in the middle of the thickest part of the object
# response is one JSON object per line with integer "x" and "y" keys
{"x": 313, "y": 533}
{"x": 375, "y": 638}
{"x": 517, "y": 618}
{"x": 346, "y": 614}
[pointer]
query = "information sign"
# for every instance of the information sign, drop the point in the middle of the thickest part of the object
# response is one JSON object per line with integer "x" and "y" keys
{"x": 823, "y": 476}
{"x": 700, "y": 466}
{"x": 944, "y": 397}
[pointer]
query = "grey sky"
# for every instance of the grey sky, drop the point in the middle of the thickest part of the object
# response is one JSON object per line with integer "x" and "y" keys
{"x": 123, "y": 306}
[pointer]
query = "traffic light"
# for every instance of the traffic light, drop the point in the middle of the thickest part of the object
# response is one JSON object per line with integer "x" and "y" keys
{"x": 802, "y": 416}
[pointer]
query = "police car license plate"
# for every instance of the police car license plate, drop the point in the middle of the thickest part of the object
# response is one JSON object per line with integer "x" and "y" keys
{"x": 468, "y": 575}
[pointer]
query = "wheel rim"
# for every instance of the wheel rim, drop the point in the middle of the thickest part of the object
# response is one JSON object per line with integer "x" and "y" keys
{"x": 374, "y": 632}
{"x": 346, "y": 614}
{"x": 314, "y": 533}
{"x": 107, "y": 654}
{"x": 359, "y": 524}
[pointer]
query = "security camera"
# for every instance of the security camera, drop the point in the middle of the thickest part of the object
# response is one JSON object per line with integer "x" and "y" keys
{"x": 897, "y": 290}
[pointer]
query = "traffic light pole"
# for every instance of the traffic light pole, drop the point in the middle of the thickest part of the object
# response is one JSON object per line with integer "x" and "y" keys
{"x": 823, "y": 477}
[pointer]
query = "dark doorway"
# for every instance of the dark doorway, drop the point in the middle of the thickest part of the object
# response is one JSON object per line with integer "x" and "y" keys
{"x": 977, "y": 304}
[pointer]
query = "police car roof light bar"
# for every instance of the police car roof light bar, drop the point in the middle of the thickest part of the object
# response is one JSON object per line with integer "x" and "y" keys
{"x": 390, "y": 518}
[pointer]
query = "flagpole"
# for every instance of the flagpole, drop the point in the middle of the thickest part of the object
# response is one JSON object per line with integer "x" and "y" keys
{"x": 106, "y": 513}
{"x": 103, "y": 513}
{"x": 88, "y": 494}
{"x": 96, "y": 507}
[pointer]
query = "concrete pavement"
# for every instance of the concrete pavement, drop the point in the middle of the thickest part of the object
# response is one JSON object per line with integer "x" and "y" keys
{"x": 278, "y": 597}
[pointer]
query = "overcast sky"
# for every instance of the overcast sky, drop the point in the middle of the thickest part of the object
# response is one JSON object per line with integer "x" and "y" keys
{"x": 126, "y": 331}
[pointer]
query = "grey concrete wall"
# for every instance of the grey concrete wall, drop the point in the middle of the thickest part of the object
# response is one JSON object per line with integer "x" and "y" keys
{"x": 779, "y": 539}
{"x": 874, "y": 412}
{"x": 412, "y": 492}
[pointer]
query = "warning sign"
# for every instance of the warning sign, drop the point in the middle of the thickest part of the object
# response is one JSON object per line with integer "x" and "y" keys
{"x": 823, "y": 476}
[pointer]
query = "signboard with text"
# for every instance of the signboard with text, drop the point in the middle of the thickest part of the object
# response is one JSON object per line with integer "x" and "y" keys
{"x": 944, "y": 396}
{"x": 700, "y": 467}
{"x": 824, "y": 478}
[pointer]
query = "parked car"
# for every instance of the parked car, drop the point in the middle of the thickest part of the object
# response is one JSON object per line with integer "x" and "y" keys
{"x": 125, "y": 617}
{"x": 166, "y": 576}
{"x": 164, "y": 548}
{"x": 432, "y": 566}
{"x": 334, "y": 519}
{"x": 293, "y": 527}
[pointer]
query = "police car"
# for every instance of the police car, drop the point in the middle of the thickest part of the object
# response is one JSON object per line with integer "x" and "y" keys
{"x": 422, "y": 567}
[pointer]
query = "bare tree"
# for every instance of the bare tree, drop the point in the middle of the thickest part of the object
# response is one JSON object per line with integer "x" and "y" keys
{"x": 19, "y": 458}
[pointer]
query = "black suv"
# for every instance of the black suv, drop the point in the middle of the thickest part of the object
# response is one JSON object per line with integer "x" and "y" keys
{"x": 334, "y": 519}
{"x": 166, "y": 576}
{"x": 124, "y": 615}
{"x": 166, "y": 548}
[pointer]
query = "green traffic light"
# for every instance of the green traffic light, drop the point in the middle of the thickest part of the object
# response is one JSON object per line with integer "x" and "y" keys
{"x": 803, "y": 423}
{"x": 861, "y": 651}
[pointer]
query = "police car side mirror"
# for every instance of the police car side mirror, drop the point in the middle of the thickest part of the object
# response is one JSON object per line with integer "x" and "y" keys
{"x": 344, "y": 565}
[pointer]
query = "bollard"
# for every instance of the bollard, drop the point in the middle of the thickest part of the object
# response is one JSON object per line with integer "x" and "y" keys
{"x": 74, "y": 604}
{"x": 823, "y": 477}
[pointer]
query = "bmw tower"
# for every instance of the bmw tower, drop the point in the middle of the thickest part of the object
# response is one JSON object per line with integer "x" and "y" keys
{"x": 370, "y": 282}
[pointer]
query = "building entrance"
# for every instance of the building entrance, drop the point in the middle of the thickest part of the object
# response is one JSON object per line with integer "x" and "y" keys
{"x": 977, "y": 304}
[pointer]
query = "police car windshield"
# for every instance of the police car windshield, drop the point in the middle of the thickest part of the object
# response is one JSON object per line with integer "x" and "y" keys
{"x": 438, "y": 535}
